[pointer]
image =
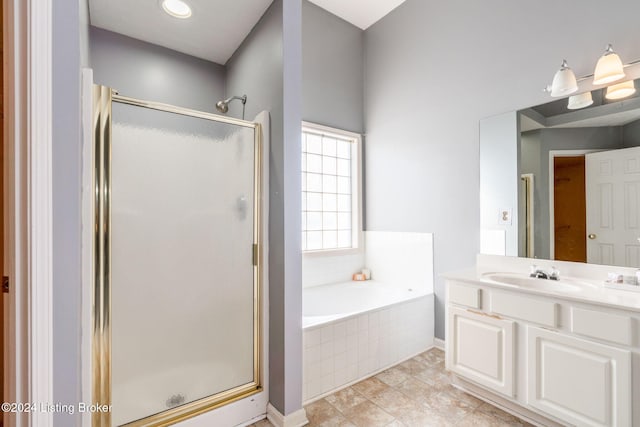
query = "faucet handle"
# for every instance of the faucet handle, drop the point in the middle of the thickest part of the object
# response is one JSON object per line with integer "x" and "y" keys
{"x": 555, "y": 274}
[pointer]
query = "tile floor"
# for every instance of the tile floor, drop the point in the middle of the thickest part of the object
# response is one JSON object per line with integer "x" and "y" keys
{"x": 415, "y": 393}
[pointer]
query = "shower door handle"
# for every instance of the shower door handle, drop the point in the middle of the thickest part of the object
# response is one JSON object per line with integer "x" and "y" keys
{"x": 255, "y": 254}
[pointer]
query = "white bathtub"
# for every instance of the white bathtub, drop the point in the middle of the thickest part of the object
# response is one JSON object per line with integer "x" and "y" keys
{"x": 353, "y": 330}
{"x": 326, "y": 303}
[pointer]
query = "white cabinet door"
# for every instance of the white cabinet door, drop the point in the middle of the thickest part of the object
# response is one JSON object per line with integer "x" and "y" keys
{"x": 577, "y": 381}
{"x": 480, "y": 348}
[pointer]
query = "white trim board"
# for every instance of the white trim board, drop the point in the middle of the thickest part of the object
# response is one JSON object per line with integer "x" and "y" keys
{"x": 295, "y": 419}
{"x": 28, "y": 203}
{"x": 88, "y": 212}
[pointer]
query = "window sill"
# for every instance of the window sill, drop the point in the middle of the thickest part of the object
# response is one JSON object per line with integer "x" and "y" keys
{"x": 333, "y": 252}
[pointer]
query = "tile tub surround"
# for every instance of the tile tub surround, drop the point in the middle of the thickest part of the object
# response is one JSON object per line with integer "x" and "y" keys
{"x": 415, "y": 393}
{"x": 399, "y": 259}
{"x": 344, "y": 351}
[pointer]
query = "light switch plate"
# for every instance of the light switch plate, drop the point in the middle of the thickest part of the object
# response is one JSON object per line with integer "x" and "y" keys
{"x": 505, "y": 216}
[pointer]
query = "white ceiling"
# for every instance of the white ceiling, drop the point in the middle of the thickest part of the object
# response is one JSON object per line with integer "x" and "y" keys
{"x": 361, "y": 13}
{"x": 614, "y": 119}
{"x": 216, "y": 27}
{"x": 214, "y": 31}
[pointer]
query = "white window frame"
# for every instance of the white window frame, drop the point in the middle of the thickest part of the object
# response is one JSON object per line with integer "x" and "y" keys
{"x": 356, "y": 188}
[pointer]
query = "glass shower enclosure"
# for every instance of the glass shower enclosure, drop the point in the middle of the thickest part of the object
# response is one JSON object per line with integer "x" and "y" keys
{"x": 176, "y": 298}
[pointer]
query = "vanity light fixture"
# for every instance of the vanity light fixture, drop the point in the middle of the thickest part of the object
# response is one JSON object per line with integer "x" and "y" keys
{"x": 579, "y": 101}
{"x": 564, "y": 81}
{"x": 176, "y": 8}
{"x": 609, "y": 68}
{"x": 621, "y": 90}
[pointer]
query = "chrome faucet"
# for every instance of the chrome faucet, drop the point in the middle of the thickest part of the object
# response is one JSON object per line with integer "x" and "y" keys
{"x": 539, "y": 273}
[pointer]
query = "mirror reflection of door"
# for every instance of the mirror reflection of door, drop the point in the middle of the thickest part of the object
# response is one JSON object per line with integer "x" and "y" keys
{"x": 569, "y": 209}
{"x": 613, "y": 210}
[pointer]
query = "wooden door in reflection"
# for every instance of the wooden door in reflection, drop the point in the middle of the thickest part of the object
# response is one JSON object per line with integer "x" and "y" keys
{"x": 569, "y": 213}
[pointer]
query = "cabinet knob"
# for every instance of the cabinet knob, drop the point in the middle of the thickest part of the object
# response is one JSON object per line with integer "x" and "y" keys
{"x": 592, "y": 236}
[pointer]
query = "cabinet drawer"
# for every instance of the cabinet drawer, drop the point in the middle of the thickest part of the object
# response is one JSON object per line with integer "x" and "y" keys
{"x": 530, "y": 309}
{"x": 468, "y": 296}
{"x": 605, "y": 326}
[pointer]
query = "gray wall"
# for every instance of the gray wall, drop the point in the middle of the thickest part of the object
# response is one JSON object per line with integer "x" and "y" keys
{"x": 332, "y": 70}
{"x": 69, "y": 20}
{"x": 290, "y": 384}
{"x": 631, "y": 134}
{"x": 150, "y": 72}
{"x": 600, "y": 138}
{"x": 433, "y": 72}
{"x": 267, "y": 68}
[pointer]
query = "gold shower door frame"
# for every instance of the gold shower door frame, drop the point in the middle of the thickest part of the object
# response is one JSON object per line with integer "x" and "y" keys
{"x": 103, "y": 97}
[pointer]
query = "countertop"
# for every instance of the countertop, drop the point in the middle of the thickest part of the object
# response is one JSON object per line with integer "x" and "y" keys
{"x": 598, "y": 294}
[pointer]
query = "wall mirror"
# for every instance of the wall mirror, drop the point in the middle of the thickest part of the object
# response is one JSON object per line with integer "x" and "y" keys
{"x": 562, "y": 182}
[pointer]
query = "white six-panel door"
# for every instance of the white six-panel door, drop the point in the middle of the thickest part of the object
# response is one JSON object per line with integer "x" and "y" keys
{"x": 578, "y": 381}
{"x": 613, "y": 207}
{"x": 482, "y": 349}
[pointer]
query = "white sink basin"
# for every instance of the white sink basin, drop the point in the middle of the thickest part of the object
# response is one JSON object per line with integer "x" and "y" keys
{"x": 523, "y": 281}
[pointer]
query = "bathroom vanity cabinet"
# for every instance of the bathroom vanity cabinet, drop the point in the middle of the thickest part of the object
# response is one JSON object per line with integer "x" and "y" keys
{"x": 483, "y": 349}
{"x": 569, "y": 361}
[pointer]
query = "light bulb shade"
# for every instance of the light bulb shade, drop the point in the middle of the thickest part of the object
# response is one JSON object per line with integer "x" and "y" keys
{"x": 564, "y": 82}
{"x": 582, "y": 100}
{"x": 621, "y": 90}
{"x": 609, "y": 68}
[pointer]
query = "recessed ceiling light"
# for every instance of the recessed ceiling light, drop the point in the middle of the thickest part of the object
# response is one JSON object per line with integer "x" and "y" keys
{"x": 176, "y": 8}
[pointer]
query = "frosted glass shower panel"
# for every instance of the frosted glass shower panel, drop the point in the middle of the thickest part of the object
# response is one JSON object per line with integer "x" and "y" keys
{"x": 182, "y": 235}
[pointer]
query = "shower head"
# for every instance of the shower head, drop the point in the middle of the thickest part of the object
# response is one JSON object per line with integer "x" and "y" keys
{"x": 223, "y": 106}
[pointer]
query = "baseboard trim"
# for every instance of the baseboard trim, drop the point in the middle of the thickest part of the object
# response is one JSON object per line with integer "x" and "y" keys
{"x": 295, "y": 419}
{"x": 438, "y": 343}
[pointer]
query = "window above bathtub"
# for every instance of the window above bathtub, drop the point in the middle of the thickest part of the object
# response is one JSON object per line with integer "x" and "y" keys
{"x": 331, "y": 189}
